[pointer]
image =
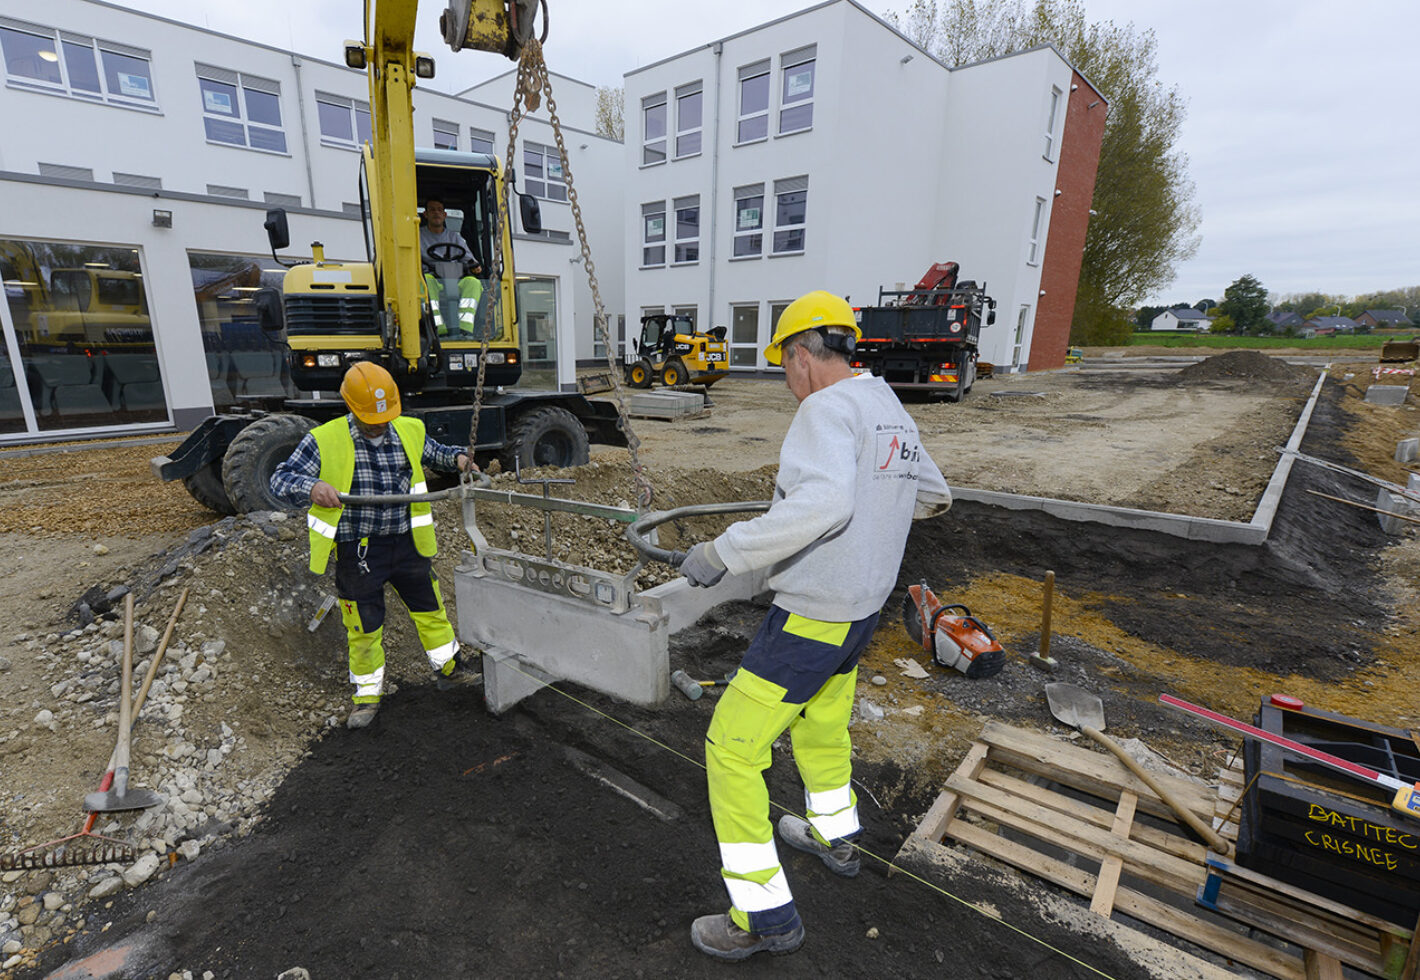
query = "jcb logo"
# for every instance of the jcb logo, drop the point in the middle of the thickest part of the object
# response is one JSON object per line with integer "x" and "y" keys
{"x": 895, "y": 450}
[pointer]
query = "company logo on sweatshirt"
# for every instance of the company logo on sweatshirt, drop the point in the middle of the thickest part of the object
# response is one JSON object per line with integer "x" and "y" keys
{"x": 898, "y": 452}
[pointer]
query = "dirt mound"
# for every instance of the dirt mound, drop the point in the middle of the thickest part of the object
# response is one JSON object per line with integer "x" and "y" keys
{"x": 1248, "y": 365}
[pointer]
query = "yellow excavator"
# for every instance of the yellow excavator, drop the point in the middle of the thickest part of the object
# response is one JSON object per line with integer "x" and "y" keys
{"x": 331, "y": 314}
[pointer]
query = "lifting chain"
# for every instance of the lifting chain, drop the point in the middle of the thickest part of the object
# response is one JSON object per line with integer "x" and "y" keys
{"x": 532, "y": 83}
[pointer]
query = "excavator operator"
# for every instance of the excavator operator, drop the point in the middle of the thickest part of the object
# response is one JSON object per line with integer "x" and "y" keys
{"x": 451, "y": 271}
{"x": 374, "y": 450}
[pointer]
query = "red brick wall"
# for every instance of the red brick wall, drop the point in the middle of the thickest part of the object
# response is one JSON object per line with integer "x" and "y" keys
{"x": 1069, "y": 220}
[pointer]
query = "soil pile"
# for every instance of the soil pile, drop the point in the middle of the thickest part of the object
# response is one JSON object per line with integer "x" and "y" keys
{"x": 1246, "y": 365}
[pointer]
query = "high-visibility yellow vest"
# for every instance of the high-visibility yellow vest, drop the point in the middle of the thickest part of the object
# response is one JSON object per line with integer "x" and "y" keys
{"x": 337, "y": 467}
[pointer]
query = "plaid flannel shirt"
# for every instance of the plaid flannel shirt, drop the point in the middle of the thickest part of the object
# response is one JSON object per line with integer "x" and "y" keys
{"x": 381, "y": 469}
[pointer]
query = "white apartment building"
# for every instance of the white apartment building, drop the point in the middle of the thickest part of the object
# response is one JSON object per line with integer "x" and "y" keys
{"x": 824, "y": 150}
{"x": 140, "y": 156}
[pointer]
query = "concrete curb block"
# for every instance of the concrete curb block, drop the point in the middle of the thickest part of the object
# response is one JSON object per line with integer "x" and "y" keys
{"x": 1254, "y": 532}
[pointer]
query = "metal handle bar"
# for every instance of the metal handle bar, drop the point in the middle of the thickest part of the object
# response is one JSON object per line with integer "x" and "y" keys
{"x": 636, "y": 531}
{"x": 484, "y": 482}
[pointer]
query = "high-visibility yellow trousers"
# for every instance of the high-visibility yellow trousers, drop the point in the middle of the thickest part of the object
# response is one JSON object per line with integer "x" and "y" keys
{"x": 798, "y": 674}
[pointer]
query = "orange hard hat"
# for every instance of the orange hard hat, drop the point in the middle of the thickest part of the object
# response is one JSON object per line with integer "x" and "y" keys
{"x": 370, "y": 393}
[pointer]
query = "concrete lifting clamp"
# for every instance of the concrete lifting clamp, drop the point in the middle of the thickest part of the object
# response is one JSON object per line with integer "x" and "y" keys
{"x": 539, "y": 621}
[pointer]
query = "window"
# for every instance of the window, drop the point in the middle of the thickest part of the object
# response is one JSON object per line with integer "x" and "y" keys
{"x": 653, "y": 231}
{"x": 138, "y": 180}
{"x": 790, "y": 210}
{"x": 480, "y": 141}
{"x": 242, "y": 359}
{"x": 83, "y": 339}
{"x": 754, "y": 103}
{"x": 749, "y": 221}
{"x": 446, "y": 135}
{"x": 692, "y": 313}
{"x": 222, "y": 190}
{"x": 687, "y": 229}
{"x": 1018, "y": 342}
{"x": 542, "y": 172}
{"x": 689, "y": 112}
{"x": 344, "y": 122}
{"x": 796, "y": 98}
{"x": 42, "y": 59}
{"x": 744, "y": 336}
{"x": 64, "y": 171}
{"x": 776, "y": 310}
{"x": 1050, "y": 123}
{"x": 653, "y": 129}
{"x": 241, "y": 110}
{"x": 1037, "y": 223}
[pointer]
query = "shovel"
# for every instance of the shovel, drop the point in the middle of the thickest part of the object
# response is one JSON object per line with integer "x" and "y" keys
{"x": 120, "y": 797}
{"x": 1080, "y": 709}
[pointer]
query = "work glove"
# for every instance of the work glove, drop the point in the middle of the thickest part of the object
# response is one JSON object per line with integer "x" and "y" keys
{"x": 702, "y": 568}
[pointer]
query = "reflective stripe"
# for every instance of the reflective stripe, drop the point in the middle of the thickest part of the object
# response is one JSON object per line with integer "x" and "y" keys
{"x": 829, "y": 800}
{"x": 319, "y": 526}
{"x": 421, "y": 520}
{"x": 420, "y": 487}
{"x": 746, "y": 858}
{"x": 439, "y": 656}
{"x": 817, "y": 629}
{"x": 747, "y": 896}
{"x": 468, "y": 304}
{"x": 368, "y": 685}
{"x": 834, "y": 826}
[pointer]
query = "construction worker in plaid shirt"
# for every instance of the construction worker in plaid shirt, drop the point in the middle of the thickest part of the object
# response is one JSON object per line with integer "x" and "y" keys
{"x": 374, "y": 450}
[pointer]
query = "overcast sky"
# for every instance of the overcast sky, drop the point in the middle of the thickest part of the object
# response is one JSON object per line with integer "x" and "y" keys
{"x": 1302, "y": 130}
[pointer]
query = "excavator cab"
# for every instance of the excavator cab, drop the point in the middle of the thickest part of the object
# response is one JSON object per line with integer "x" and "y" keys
{"x": 672, "y": 350}
{"x": 332, "y": 310}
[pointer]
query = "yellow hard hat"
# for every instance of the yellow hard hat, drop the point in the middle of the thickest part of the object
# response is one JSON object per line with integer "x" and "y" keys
{"x": 809, "y": 312}
{"x": 370, "y": 393}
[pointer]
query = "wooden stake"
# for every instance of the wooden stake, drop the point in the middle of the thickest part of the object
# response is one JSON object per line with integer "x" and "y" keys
{"x": 1046, "y": 603}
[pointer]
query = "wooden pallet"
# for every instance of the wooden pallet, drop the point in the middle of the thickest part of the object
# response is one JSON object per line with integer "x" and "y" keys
{"x": 992, "y": 805}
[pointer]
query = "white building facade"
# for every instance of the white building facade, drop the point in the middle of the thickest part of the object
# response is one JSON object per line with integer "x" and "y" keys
{"x": 824, "y": 150}
{"x": 140, "y": 156}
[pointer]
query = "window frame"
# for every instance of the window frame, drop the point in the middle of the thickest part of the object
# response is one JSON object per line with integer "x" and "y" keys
{"x": 60, "y": 42}
{"x": 650, "y": 242}
{"x": 442, "y": 127}
{"x": 747, "y": 192}
{"x": 788, "y": 62}
{"x": 693, "y": 90}
{"x": 783, "y": 188}
{"x": 750, "y": 73}
{"x": 539, "y": 182}
{"x": 480, "y": 136}
{"x": 1051, "y": 113}
{"x": 678, "y": 206}
{"x": 239, "y": 115}
{"x": 738, "y": 347}
{"x": 1033, "y": 241}
{"x": 353, "y": 108}
{"x": 649, "y": 104}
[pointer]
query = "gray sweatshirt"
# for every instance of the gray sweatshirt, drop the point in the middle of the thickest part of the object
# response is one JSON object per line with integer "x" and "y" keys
{"x": 853, "y": 475}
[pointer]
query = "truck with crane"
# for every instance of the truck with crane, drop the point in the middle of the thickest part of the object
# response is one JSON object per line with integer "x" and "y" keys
{"x": 329, "y": 315}
{"x": 926, "y": 339}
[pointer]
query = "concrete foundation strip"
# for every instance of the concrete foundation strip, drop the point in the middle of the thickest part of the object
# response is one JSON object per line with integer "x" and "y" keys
{"x": 1254, "y": 532}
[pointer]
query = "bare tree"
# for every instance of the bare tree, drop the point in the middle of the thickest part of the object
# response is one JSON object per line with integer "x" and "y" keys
{"x": 611, "y": 112}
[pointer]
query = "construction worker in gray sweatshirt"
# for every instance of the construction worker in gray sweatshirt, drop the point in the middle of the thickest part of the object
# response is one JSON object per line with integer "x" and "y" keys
{"x": 853, "y": 475}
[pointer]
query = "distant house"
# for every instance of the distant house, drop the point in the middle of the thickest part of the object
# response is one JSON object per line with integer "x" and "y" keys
{"x": 1327, "y": 326}
{"x": 1181, "y": 320}
{"x": 1281, "y": 321}
{"x": 1384, "y": 318}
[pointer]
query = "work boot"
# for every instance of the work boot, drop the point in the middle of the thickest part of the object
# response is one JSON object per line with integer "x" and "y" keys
{"x": 718, "y": 936}
{"x": 841, "y": 860}
{"x": 456, "y": 674}
{"x": 362, "y": 714}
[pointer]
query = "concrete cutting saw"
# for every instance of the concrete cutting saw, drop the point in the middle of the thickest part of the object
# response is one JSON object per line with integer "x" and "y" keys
{"x": 950, "y": 634}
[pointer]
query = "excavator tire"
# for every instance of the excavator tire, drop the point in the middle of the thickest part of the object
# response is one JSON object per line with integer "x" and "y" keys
{"x": 546, "y": 436}
{"x": 254, "y": 455}
{"x": 674, "y": 373}
{"x": 640, "y": 374}
{"x": 206, "y": 488}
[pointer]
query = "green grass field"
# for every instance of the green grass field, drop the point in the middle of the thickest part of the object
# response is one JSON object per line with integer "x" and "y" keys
{"x": 1343, "y": 342}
